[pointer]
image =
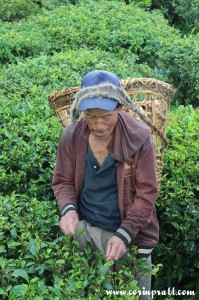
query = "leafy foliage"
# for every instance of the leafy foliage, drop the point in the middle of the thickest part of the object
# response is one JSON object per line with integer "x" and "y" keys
{"x": 63, "y": 28}
{"x": 143, "y": 39}
{"x": 182, "y": 62}
{"x": 178, "y": 203}
{"x": 51, "y": 51}
{"x": 38, "y": 262}
{"x": 15, "y": 10}
{"x": 140, "y": 3}
{"x": 184, "y": 14}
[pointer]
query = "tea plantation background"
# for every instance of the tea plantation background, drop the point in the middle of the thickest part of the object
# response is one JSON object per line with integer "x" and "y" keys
{"x": 48, "y": 45}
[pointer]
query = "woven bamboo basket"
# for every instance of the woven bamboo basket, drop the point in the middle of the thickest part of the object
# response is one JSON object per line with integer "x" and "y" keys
{"x": 151, "y": 96}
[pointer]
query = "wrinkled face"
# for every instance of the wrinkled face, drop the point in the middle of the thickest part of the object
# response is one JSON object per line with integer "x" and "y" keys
{"x": 101, "y": 122}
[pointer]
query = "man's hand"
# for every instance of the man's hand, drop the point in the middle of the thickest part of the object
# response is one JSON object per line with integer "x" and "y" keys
{"x": 68, "y": 222}
{"x": 115, "y": 248}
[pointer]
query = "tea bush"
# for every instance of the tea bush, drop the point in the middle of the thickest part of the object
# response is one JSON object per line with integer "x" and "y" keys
{"x": 140, "y": 3}
{"x": 178, "y": 204}
{"x": 74, "y": 27}
{"x": 52, "y": 51}
{"x": 181, "y": 63}
{"x": 183, "y": 14}
{"x": 129, "y": 32}
{"x": 38, "y": 262}
{"x": 15, "y": 10}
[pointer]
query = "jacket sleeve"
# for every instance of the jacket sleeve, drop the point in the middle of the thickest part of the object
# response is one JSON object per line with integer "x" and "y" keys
{"x": 139, "y": 213}
{"x": 63, "y": 179}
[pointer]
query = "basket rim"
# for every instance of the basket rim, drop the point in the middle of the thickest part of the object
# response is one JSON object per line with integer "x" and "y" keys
{"x": 125, "y": 82}
{"x": 145, "y": 85}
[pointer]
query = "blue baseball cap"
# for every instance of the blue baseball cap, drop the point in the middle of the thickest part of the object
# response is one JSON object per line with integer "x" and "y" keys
{"x": 95, "y": 78}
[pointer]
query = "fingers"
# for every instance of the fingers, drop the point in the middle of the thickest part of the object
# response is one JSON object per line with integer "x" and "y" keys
{"x": 115, "y": 249}
{"x": 115, "y": 254}
{"x": 108, "y": 250}
{"x": 67, "y": 229}
{"x": 68, "y": 222}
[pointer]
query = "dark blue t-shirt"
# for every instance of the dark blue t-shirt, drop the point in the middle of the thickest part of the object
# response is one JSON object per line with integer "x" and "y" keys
{"x": 98, "y": 203}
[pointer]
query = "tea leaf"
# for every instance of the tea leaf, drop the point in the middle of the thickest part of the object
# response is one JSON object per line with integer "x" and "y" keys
{"x": 21, "y": 273}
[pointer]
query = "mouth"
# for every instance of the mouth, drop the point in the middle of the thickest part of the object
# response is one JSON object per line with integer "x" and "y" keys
{"x": 100, "y": 132}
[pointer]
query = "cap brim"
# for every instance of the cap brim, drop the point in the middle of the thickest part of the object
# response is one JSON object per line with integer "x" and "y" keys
{"x": 101, "y": 103}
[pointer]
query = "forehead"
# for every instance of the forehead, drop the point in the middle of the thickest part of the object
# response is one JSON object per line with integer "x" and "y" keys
{"x": 98, "y": 112}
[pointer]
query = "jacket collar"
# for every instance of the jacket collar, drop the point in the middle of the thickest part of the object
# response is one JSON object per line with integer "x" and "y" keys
{"x": 130, "y": 135}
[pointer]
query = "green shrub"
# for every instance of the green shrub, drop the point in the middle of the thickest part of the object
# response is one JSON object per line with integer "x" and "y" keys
{"x": 74, "y": 27}
{"x": 180, "y": 61}
{"x": 20, "y": 41}
{"x": 178, "y": 204}
{"x": 38, "y": 262}
{"x": 52, "y": 51}
{"x": 51, "y": 4}
{"x": 134, "y": 36}
{"x": 140, "y": 3}
{"x": 188, "y": 15}
{"x": 183, "y": 14}
{"x": 15, "y": 10}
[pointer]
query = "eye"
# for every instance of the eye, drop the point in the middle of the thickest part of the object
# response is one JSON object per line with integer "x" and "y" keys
{"x": 106, "y": 117}
{"x": 90, "y": 117}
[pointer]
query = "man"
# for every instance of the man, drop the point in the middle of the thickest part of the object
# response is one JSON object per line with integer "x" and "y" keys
{"x": 105, "y": 177}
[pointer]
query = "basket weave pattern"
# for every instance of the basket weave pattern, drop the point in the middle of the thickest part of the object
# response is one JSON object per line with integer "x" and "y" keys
{"x": 153, "y": 98}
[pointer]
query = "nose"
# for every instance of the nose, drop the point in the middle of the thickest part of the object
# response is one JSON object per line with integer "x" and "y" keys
{"x": 99, "y": 124}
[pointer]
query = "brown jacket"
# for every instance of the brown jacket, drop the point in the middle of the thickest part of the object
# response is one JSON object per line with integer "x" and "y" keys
{"x": 136, "y": 174}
